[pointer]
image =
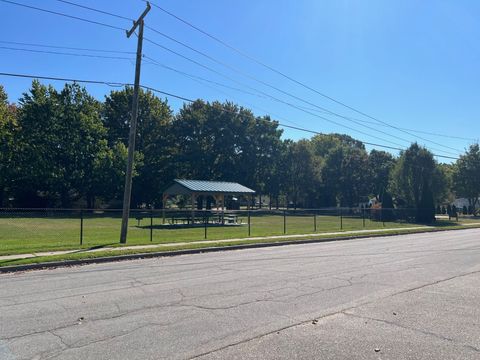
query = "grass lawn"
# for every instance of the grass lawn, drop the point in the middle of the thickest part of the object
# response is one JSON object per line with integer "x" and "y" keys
{"x": 107, "y": 253}
{"x": 33, "y": 234}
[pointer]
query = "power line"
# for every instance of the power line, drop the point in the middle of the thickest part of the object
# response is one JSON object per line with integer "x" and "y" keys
{"x": 412, "y": 130}
{"x": 262, "y": 92}
{"x": 156, "y": 63}
{"x": 118, "y": 84}
{"x": 63, "y": 14}
{"x": 208, "y": 83}
{"x": 293, "y": 105}
{"x": 96, "y": 10}
{"x": 358, "y": 122}
{"x": 295, "y": 127}
{"x": 98, "y": 82}
{"x": 290, "y": 78}
{"x": 66, "y": 47}
{"x": 65, "y": 53}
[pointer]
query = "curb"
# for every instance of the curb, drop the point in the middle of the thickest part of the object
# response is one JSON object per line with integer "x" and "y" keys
{"x": 148, "y": 255}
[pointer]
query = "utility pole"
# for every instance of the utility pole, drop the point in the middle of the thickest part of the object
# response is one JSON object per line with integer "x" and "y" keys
{"x": 133, "y": 125}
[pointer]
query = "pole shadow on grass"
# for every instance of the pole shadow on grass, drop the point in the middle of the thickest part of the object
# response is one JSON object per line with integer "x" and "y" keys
{"x": 93, "y": 248}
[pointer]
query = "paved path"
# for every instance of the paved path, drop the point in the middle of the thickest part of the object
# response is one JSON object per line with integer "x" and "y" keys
{"x": 408, "y": 297}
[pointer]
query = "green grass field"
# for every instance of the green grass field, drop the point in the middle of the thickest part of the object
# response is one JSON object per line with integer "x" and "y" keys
{"x": 33, "y": 234}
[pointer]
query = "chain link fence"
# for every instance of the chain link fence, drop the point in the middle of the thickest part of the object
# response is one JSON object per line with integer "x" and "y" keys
{"x": 56, "y": 229}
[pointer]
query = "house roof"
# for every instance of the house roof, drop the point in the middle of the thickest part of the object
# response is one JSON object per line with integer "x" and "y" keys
{"x": 204, "y": 186}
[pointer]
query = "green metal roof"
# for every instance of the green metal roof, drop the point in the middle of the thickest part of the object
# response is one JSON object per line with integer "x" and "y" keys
{"x": 209, "y": 187}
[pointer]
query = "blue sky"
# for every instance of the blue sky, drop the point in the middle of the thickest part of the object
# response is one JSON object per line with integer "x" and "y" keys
{"x": 413, "y": 64}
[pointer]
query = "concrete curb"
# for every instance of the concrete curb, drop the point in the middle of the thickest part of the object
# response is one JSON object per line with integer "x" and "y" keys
{"x": 99, "y": 260}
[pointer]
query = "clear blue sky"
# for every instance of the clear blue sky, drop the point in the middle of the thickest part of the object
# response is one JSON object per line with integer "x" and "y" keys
{"x": 413, "y": 64}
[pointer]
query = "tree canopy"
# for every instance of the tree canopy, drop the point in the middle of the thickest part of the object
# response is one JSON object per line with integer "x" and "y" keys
{"x": 65, "y": 148}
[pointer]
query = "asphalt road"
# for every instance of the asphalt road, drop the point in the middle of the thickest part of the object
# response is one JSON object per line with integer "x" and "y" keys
{"x": 403, "y": 297}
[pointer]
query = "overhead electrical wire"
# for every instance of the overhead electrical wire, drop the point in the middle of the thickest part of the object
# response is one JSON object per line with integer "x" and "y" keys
{"x": 96, "y": 10}
{"x": 85, "y": 81}
{"x": 63, "y": 14}
{"x": 155, "y": 62}
{"x": 358, "y": 122}
{"x": 168, "y": 94}
{"x": 192, "y": 76}
{"x": 412, "y": 130}
{"x": 208, "y": 83}
{"x": 65, "y": 53}
{"x": 278, "y": 72}
{"x": 291, "y": 104}
{"x": 233, "y": 69}
{"x": 66, "y": 47}
{"x": 212, "y": 85}
{"x": 203, "y": 54}
{"x": 202, "y": 79}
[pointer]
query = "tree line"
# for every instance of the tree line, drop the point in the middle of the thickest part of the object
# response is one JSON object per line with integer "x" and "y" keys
{"x": 64, "y": 148}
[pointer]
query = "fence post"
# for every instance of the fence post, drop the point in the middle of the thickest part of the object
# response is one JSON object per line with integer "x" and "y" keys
{"x": 314, "y": 222}
{"x": 382, "y": 214}
{"x": 205, "y": 221}
{"x": 248, "y": 216}
{"x": 81, "y": 227}
{"x": 363, "y": 217}
{"x": 151, "y": 225}
{"x": 284, "y": 221}
{"x": 341, "y": 219}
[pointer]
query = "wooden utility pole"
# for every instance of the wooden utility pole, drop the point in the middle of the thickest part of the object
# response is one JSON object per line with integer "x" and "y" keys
{"x": 133, "y": 126}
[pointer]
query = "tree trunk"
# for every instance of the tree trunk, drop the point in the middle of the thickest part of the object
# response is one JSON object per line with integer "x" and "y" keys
{"x": 91, "y": 201}
{"x": 64, "y": 199}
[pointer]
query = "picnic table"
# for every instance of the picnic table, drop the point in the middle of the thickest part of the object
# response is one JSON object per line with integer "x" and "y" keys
{"x": 213, "y": 218}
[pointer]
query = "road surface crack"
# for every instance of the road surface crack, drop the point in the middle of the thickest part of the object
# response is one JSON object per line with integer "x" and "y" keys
{"x": 424, "y": 332}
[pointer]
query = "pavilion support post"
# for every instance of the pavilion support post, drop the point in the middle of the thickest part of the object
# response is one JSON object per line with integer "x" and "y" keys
{"x": 164, "y": 203}
{"x": 194, "y": 196}
{"x": 249, "y": 200}
{"x": 223, "y": 208}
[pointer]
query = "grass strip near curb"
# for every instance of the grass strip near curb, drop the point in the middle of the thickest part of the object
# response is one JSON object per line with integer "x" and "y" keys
{"x": 193, "y": 246}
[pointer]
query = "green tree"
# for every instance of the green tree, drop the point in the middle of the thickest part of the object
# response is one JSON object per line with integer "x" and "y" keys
{"x": 298, "y": 175}
{"x": 415, "y": 178}
{"x": 155, "y": 142}
{"x": 345, "y": 174}
{"x": 380, "y": 165}
{"x": 221, "y": 141}
{"x": 109, "y": 169}
{"x": 8, "y": 130}
{"x": 61, "y": 136}
{"x": 466, "y": 176}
